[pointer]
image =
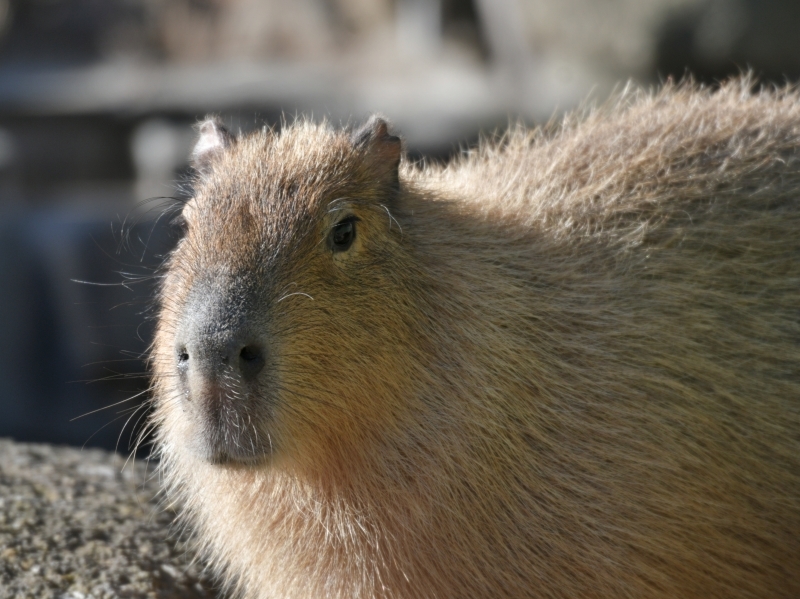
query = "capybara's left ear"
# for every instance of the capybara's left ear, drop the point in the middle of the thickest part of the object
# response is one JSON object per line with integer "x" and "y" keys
{"x": 381, "y": 149}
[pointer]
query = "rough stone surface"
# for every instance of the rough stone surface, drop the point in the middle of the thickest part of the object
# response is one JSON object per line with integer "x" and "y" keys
{"x": 75, "y": 524}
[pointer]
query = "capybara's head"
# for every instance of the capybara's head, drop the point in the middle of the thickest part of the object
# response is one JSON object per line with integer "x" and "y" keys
{"x": 286, "y": 303}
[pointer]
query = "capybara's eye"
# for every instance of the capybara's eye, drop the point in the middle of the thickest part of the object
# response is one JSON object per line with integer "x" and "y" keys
{"x": 180, "y": 223}
{"x": 343, "y": 234}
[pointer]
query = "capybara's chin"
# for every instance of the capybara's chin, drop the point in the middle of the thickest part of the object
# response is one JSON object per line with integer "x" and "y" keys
{"x": 564, "y": 365}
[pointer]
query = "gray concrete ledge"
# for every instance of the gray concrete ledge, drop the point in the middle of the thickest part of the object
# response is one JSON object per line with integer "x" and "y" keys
{"x": 75, "y": 525}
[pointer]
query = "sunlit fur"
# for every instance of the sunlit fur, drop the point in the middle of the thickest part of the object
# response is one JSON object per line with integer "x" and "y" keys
{"x": 567, "y": 364}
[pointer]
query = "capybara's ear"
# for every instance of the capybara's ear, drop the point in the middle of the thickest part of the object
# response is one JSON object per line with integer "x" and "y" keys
{"x": 213, "y": 140}
{"x": 382, "y": 149}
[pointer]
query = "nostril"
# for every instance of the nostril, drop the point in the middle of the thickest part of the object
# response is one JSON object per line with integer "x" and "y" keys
{"x": 250, "y": 353}
{"x": 183, "y": 356}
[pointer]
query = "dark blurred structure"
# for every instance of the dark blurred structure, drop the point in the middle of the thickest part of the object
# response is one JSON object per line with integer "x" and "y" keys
{"x": 716, "y": 39}
{"x": 71, "y": 348}
{"x": 97, "y": 99}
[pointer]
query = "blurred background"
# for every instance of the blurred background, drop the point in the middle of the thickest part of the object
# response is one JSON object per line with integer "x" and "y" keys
{"x": 98, "y": 99}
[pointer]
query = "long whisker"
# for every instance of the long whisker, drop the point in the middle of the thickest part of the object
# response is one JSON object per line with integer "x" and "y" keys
{"x": 109, "y": 406}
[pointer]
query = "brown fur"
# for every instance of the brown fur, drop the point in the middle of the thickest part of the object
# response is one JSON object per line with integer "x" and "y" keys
{"x": 565, "y": 365}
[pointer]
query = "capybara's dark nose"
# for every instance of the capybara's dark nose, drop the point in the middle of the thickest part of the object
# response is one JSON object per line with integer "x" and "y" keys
{"x": 216, "y": 340}
{"x": 213, "y": 358}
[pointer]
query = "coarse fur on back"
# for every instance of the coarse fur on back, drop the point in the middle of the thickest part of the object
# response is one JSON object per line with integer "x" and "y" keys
{"x": 566, "y": 364}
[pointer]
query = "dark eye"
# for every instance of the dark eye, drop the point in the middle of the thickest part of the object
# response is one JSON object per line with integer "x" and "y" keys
{"x": 343, "y": 234}
{"x": 179, "y": 224}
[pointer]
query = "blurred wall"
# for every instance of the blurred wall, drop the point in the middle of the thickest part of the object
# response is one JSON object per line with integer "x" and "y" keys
{"x": 98, "y": 98}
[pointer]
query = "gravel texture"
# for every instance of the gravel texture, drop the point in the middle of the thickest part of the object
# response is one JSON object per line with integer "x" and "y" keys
{"x": 75, "y": 524}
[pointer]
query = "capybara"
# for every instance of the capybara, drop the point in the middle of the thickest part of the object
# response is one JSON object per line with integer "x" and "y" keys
{"x": 566, "y": 364}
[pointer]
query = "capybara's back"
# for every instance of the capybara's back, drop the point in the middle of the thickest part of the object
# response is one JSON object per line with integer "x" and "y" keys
{"x": 565, "y": 365}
